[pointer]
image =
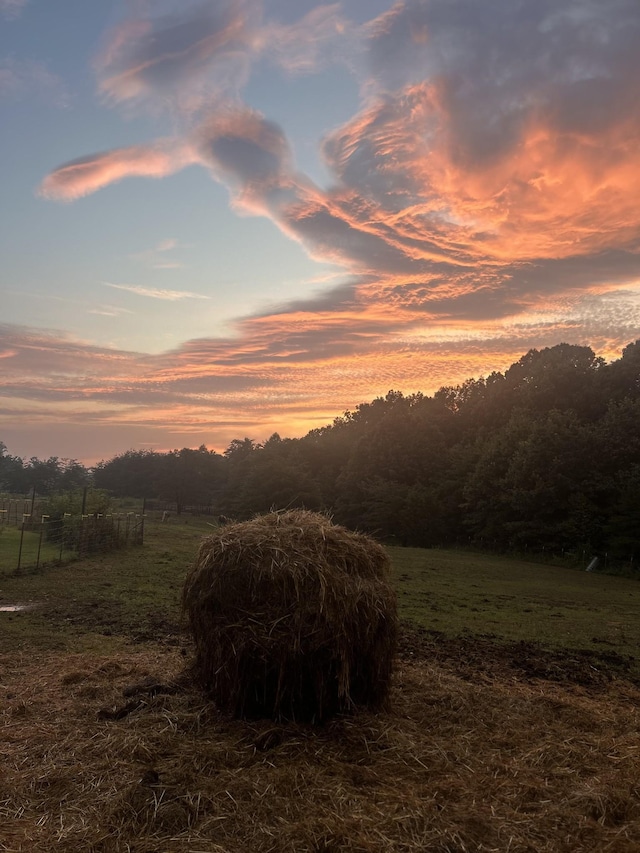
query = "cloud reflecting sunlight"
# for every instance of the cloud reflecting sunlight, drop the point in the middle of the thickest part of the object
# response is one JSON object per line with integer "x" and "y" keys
{"x": 481, "y": 199}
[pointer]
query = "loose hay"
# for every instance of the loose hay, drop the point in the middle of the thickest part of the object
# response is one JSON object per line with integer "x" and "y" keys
{"x": 293, "y": 618}
{"x": 505, "y": 765}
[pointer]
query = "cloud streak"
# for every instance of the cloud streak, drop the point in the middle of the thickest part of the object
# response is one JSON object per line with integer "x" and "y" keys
{"x": 20, "y": 79}
{"x": 11, "y": 9}
{"x": 287, "y": 372}
{"x": 202, "y": 52}
{"x": 86, "y": 175}
{"x": 157, "y": 292}
{"x": 162, "y": 255}
{"x": 184, "y": 55}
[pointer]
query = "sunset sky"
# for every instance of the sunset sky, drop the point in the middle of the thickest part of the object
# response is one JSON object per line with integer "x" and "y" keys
{"x": 227, "y": 218}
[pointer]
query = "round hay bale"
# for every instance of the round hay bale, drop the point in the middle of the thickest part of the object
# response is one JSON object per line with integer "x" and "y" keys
{"x": 293, "y": 618}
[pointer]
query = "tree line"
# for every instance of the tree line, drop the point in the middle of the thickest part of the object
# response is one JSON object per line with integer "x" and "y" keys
{"x": 543, "y": 456}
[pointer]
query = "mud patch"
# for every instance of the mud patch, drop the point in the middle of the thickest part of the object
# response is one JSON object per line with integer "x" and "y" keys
{"x": 476, "y": 656}
{"x": 111, "y": 618}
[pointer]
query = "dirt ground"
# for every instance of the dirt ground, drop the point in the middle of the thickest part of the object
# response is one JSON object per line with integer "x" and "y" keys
{"x": 475, "y": 656}
{"x": 486, "y": 747}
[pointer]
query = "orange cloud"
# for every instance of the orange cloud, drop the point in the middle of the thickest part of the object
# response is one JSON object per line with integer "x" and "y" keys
{"x": 455, "y": 175}
{"x": 483, "y": 200}
{"x": 285, "y": 372}
{"x": 87, "y": 174}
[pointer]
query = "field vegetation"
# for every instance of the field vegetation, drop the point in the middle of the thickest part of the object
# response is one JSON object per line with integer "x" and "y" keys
{"x": 34, "y": 550}
{"x": 513, "y": 727}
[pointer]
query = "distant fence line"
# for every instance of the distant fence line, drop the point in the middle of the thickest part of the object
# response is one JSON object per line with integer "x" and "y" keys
{"x": 36, "y": 541}
{"x": 580, "y": 556}
{"x": 14, "y": 510}
{"x": 153, "y": 505}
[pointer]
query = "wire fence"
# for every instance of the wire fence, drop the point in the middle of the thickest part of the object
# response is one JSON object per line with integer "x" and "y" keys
{"x": 30, "y": 542}
{"x": 581, "y": 557}
{"x": 13, "y": 511}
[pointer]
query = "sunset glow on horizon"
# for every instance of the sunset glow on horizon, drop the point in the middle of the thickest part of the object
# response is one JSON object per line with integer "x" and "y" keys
{"x": 228, "y": 218}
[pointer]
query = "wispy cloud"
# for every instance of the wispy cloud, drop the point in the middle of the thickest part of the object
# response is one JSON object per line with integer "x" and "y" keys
{"x": 320, "y": 38}
{"x": 162, "y": 255}
{"x": 87, "y": 174}
{"x": 201, "y": 53}
{"x": 186, "y": 56}
{"x": 24, "y": 78}
{"x": 12, "y": 8}
{"x": 281, "y": 372}
{"x": 156, "y": 292}
{"x": 109, "y": 311}
{"x": 451, "y": 172}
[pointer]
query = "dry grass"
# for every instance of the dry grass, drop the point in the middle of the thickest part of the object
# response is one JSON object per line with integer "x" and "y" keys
{"x": 293, "y": 618}
{"x": 457, "y": 765}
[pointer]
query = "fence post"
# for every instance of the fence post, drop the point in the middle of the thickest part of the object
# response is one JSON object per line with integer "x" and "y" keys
{"x": 20, "y": 549}
{"x": 39, "y": 545}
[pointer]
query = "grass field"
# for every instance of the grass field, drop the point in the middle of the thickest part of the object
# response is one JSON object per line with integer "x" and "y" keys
{"x": 31, "y": 546}
{"x": 514, "y": 724}
{"x": 457, "y": 592}
{"x": 128, "y": 593}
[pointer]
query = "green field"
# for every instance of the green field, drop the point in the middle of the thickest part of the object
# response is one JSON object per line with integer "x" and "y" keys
{"x": 107, "y": 600}
{"x": 457, "y": 592}
{"x": 31, "y": 545}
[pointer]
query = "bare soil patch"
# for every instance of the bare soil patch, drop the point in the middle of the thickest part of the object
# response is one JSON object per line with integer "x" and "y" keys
{"x": 480, "y": 656}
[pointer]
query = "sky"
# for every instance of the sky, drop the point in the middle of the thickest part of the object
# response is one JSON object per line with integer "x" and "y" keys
{"x": 228, "y": 218}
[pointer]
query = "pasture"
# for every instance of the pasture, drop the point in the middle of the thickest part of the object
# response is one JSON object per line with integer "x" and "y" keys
{"x": 514, "y": 721}
{"x": 34, "y": 551}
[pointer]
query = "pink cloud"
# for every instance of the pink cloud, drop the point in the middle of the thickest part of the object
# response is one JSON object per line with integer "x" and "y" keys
{"x": 491, "y": 165}
{"x": 87, "y": 174}
{"x": 321, "y": 37}
{"x": 514, "y": 123}
{"x": 287, "y": 372}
